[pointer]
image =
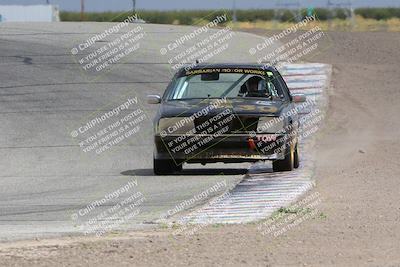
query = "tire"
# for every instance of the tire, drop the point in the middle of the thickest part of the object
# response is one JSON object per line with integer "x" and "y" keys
{"x": 286, "y": 164}
{"x": 296, "y": 157}
{"x": 165, "y": 166}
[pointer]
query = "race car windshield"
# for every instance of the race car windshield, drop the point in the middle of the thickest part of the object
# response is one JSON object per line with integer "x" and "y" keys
{"x": 220, "y": 85}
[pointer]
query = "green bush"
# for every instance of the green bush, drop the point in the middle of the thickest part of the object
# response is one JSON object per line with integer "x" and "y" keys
{"x": 254, "y": 15}
{"x": 378, "y": 13}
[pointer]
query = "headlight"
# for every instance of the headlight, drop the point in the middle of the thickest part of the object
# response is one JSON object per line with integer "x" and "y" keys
{"x": 177, "y": 125}
{"x": 270, "y": 125}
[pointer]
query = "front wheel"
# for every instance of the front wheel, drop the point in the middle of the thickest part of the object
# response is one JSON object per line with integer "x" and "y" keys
{"x": 165, "y": 166}
{"x": 286, "y": 164}
{"x": 296, "y": 157}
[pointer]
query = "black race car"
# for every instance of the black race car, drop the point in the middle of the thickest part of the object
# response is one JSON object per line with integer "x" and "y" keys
{"x": 226, "y": 113}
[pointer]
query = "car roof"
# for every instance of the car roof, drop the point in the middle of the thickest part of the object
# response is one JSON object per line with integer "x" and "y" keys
{"x": 230, "y": 65}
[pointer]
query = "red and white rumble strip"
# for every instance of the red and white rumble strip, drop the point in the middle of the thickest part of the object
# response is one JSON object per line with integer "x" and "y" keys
{"x": 261, "y": 192}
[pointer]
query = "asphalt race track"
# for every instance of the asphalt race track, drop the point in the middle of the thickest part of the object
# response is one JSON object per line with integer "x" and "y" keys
{"x": 45, "y": 93}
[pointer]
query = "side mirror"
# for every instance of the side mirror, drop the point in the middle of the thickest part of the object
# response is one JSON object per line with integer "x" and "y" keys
{"x": 153, "y": 99}
{"x": 299, "y": 98}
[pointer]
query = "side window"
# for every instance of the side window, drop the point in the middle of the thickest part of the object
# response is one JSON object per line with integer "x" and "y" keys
{"x": 271, "y": 89}
{"x": 275, "y": 86}
{"x": 284, "y": 85}
{"x": 170, "y": 89}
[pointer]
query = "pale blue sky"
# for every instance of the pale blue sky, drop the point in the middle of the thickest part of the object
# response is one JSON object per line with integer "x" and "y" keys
{"x": 117, "y": 5}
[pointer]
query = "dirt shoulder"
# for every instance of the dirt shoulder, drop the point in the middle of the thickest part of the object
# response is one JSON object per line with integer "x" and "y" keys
{"x": 357, "y": 178}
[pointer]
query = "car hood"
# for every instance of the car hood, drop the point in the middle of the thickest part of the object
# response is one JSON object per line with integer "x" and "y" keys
{"x": 245, "y": 106}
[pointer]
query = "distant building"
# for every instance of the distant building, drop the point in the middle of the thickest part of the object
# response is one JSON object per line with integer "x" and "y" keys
{"x": 33, "y": 13}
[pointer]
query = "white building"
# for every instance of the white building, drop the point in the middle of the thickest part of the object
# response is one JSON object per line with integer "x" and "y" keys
{"x": 20, "y": 13}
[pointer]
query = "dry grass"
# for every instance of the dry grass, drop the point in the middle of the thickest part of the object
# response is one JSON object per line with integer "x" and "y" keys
{"x": 358, "y": 24}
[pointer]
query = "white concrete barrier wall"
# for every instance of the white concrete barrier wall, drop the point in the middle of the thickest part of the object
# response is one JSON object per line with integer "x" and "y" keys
{"x": 33, "y": 13}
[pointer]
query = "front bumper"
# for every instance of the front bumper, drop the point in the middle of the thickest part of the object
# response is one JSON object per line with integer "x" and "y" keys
{"x": 222, "y": 148}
